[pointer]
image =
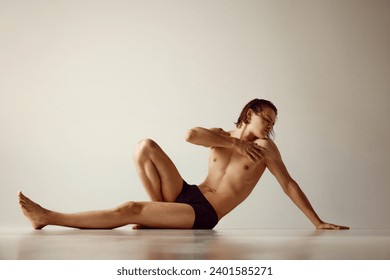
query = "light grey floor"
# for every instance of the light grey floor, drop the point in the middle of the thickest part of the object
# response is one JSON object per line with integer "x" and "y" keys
{"x": 124, "y": 243}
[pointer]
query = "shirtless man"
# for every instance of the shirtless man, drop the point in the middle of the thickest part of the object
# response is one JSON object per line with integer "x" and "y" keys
{"x": 238, "y": 159}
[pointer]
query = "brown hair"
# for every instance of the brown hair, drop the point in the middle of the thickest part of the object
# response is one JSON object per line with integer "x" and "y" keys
{"x": 256, "y": 105}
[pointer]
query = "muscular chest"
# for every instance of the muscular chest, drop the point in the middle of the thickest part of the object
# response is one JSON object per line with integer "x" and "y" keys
{"x": 229, "y": 161}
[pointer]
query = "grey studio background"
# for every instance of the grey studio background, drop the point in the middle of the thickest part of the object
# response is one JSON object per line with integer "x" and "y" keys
{"x": 82, "y": 81}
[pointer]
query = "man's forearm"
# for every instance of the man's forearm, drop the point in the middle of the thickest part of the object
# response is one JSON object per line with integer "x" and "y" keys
{"x": 207, "y": 138}
{"x": 299, "y": 198}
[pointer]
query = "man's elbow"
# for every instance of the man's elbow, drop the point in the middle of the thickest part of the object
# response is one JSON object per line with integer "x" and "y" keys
{"x": 191, "y": 134}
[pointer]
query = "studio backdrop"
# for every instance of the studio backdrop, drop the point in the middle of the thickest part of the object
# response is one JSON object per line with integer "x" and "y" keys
{"x": 81, "y": 82}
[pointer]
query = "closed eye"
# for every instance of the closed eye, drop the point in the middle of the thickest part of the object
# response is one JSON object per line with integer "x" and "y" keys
{"x": 270, "y": 121}
{"x": 267, "y": 119}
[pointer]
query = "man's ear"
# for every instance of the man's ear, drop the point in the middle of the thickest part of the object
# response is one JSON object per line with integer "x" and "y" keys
{"x": 248, "y": 116}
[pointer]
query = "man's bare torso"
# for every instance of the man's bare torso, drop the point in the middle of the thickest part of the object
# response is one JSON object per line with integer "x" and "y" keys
{"x": 231, "y": 178}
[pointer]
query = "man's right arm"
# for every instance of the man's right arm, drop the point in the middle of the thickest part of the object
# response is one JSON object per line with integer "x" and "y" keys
{"x": 210, "y": 137}
{"x": 217, "y": 137}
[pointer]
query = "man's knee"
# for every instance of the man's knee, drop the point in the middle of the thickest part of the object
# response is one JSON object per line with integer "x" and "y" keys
{"x": 144, "y": 148}
{"x": 130, "y": 209}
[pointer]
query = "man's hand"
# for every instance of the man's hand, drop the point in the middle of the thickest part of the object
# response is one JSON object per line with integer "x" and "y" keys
{"x": 245, "y": 148}
{"x": 250, "y": 149}
{"x": 330, "y": 226}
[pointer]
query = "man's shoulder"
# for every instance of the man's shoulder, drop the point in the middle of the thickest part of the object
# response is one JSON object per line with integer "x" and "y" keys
{"x": 266, "y": 143}
{"x": 271, "y": 150}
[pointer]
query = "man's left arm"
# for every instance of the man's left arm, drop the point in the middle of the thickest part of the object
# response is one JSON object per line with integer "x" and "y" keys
{"x": 276, "y": 166}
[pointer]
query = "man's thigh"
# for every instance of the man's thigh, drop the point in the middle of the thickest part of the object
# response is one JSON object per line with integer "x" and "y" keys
{"x": 165, "y": 215}
{"x": 170, "y": 178}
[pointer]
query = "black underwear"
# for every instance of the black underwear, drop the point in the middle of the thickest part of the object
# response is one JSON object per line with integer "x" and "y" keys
{"x": 205, "y": 215}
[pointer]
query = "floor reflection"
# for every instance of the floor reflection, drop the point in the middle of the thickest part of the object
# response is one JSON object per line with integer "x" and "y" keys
{"x": 157, "y": 245}
{"x": 124, "y": 243}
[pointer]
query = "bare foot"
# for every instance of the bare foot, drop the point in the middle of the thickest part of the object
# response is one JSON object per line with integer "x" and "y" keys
{"x": 33, "y": 211}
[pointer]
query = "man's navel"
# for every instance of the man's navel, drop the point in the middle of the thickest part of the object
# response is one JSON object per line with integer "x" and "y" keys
{"x": 206, "y": 189}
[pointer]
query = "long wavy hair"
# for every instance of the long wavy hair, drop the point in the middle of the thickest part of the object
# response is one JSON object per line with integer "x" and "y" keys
{"x": 256, "y": 105}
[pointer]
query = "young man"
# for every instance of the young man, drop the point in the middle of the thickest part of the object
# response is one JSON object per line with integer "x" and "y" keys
{"x": 238, "y": 159}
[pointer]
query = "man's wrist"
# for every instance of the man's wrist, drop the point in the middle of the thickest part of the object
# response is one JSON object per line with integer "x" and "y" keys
{"x": 318, "y": 223}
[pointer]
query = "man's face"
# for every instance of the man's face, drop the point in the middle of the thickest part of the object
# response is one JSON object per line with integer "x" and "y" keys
{"x": 262, "y": 124}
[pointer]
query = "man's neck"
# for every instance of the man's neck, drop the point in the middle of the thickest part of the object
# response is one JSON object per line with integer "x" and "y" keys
{"x": 244, "y": 134}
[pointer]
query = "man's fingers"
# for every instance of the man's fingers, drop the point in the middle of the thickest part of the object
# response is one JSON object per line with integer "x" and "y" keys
{"x": 258, "y": 152}
{"x": 254, "y": 152}
{"x": 260, "y": 147}
{"x": 344, "y": 227}
{"x": 255, "y": 155}
{"x": 339, "y": 227}
{"x": 333, "y": 226}
{"x": 251, "y": 157}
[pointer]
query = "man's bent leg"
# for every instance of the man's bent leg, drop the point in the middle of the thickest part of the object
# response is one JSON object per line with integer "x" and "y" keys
{"x": 149, "y": 214}
{"x": 157, "y": 172}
